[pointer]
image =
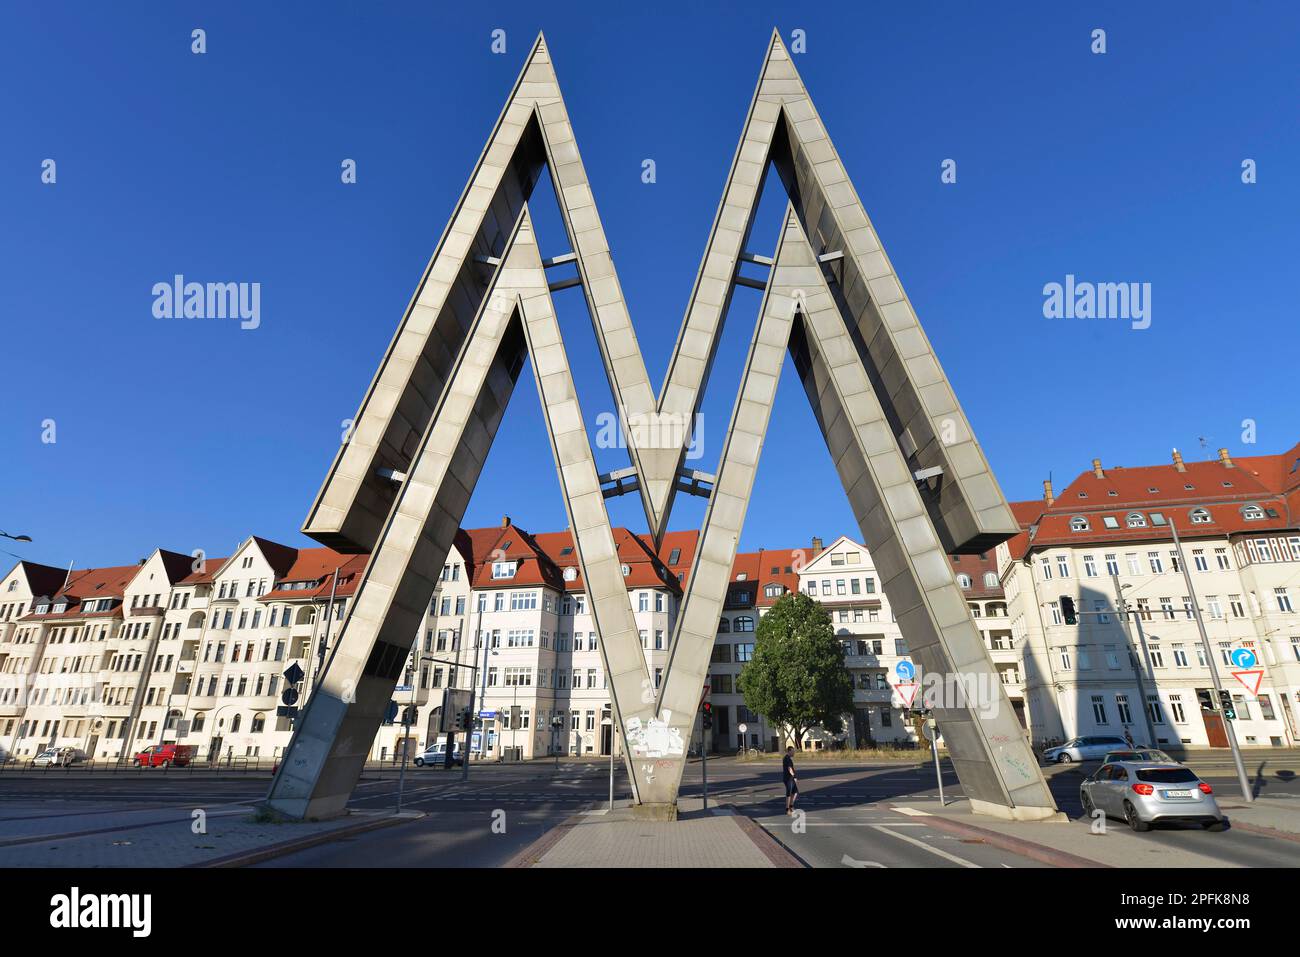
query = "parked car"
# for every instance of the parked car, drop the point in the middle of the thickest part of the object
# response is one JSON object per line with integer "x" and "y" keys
{"x": 1091, "y": 748}
{"x": 163, "y": 755}
{"x": 59, "y": 757}
{"x": 1150, "y": 755}
{"x": 1143, "y": 793}
{"x": 436, "y": 755}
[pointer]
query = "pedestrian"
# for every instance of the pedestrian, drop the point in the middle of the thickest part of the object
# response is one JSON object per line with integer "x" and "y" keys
{"x": 789, "y": 780}
{"x": 1128, "y": 736}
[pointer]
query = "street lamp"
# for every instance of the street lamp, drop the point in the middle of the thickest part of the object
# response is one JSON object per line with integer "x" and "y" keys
{"x": 16, "y": 538}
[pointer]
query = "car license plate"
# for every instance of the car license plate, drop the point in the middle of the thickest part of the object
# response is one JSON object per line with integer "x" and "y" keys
{"x": 1176, "y": 794}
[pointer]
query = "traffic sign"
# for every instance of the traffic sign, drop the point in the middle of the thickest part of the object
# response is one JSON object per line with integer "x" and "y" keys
{"x": 1242, "y": 658}
{"x": 294, "y": 673}
{"x": 1250, "y": 678}
{"x": 905, "y": 670}
{"x": 929, "y": 728}
{"x": 289, "y": 696}
{"x": 907, "y": 691}
{"x": 405, "y": 688}
{"x": 742, "y": 727}
{"x": 487, "y": 714}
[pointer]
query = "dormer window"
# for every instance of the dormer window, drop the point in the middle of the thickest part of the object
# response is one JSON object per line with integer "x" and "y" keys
{"x": 42, "y": 608}
{"x": 1136, "y": 520}
{"x": 1188, "y": 488}
{"x": 1083, "y": 495}
{"x": 774, "y": 591}
{"x": 1252, "y": 513}
{"x": 60, "y": 607}
{"x": 1078, "y": 524}
{"x": 743, "y": 575}
{"x": 1112, "y": 493}
{"x": 963, "y": 580}
{"x": 1227, "y": 485}
{"x": 1152, "y": 488}
{"x": 1199, "y": 516}
{"x": 627, "y": 570}
{"x": 503, "y": 569}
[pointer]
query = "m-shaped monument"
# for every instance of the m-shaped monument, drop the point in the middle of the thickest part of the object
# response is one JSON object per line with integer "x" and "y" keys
{"x": 916, "y": 478}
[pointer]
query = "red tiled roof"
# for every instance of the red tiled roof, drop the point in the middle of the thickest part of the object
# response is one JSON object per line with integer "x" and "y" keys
{"x": 1270, "y": 481}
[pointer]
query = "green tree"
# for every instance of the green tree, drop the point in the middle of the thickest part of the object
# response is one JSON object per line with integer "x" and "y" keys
{"x": 797, "y": 676}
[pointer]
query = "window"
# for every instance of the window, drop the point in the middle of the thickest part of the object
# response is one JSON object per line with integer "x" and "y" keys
{"x": 1110, "y": 521}
{"x": 744, "y": 623}
{"x": 1063, "y": 566}
{"x": 964, "y": 580}
{"x": 990, "y": 579}
{"x": 1199, "y": 516}
{"x": 1157, "y": 566}
{"x": 1045, "y": 564}
{"x": 1090, "y": 566}
{"x": 1112, "y": 564}
{"x": 744, "y": 652}
{"x": 1136, "y": 520}
{"x": 1133, "y": 567}
{"x": 1078, "y": 524}
{"x": 1121, "y": 705}
{"x": 1099, "y": 709}
{"x": 503, "y": 569}
{"x": 1252, "y": 513}
{"x": 1283, "y": 600}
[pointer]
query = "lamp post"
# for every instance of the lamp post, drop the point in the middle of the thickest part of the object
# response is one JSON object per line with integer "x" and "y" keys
{"x": 16, "y": 538}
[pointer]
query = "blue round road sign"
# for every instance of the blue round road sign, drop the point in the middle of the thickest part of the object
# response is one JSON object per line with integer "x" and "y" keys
{"x": 905, "y": 670}
{"x": 1242, "y": 657}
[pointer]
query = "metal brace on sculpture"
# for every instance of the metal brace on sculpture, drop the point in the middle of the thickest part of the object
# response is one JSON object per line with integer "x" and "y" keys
{"x": 917, "y": 480}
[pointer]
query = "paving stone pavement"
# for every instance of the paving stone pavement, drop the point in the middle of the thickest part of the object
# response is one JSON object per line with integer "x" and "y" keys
{"x": 161, "y": 837}
{"x": 614, "y": 839}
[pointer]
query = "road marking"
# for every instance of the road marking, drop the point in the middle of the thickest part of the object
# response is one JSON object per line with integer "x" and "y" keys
{"x": 887, "y": 829}
{"x": 913, "y": 812}
{"x": 850, "y": 862}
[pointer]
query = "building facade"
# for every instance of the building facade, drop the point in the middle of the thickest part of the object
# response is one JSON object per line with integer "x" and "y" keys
{"x": 196, "y": 650}
{"x": 1135, "y": 661}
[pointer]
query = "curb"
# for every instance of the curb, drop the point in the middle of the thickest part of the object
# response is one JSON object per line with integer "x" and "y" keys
{"x": 776, "y": 852}
{"x": 1265, "y": 830}
{"x": 1035, "y": 852}
{"x": 245, "y": 858}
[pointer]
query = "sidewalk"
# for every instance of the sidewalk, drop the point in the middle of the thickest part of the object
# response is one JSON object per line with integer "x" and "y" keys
{"x": 715, "y": 838}
{"x": 164, "y": 836}
{"x": 1074, "y": 844}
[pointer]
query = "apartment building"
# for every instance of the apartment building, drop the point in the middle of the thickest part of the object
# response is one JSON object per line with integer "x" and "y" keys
{"x": 1135, "y": 660}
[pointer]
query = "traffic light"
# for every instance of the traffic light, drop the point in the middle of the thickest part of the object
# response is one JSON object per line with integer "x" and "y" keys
{"x": 706, "y": 709}
{"x": 409, "y": 715}
{"x": 1229, "y": 709}
{"x": 1067, "y": 610}
{"x": 463, "y": 720}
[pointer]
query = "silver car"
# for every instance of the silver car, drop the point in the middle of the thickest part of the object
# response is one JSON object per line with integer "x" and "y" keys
{"x": 1088, "y": 748}
{"x": 1143, "y": 793}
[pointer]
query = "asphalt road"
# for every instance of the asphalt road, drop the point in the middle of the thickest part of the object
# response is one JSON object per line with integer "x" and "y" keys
{"x": 503, "y": 808}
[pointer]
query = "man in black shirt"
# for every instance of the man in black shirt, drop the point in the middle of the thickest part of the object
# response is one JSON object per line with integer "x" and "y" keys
{"x": 789, "y": 780}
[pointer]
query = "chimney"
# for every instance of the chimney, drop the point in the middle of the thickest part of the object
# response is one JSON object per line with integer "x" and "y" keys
{"x": 505, "y": 520}
{"x": 1096, "y": 468}
{"x": 1226, "y": 459}
{"x": 816, "y": 544}
{"x": 1048, "y": 497}
{"x": 1178, "y": 461}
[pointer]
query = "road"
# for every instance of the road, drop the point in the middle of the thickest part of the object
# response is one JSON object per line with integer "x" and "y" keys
{"x": 847, "y": 822}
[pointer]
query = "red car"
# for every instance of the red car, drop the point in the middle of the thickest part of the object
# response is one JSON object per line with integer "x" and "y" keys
{"x": 162, "y": 755}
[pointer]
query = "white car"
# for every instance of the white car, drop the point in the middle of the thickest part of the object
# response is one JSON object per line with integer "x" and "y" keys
{"x": 58, "y": 757}
{"x": 436, "y": 756}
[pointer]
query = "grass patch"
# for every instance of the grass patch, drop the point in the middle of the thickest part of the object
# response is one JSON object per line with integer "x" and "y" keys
{"x": 858, "y": 755}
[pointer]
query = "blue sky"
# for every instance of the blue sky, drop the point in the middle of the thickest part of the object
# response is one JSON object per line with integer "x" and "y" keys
{"x": 1122, "y": 167}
